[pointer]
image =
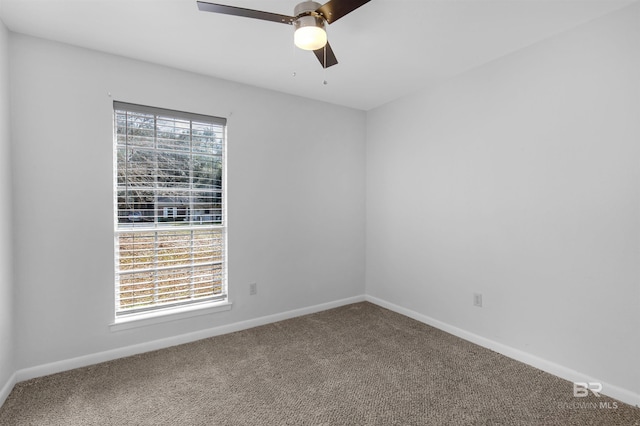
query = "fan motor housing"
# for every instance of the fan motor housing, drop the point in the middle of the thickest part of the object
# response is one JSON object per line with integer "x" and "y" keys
{"x": 306, "y": 7}
{"x": 307, "y": 16}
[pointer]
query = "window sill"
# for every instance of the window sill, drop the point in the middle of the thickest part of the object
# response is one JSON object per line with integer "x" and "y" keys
{"x": 173, "y": 314}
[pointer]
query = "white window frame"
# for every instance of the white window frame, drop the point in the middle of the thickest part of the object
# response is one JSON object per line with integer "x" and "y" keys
{"x": 160, "y": 312}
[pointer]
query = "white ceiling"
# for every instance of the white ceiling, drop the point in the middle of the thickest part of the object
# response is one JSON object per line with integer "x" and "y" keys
{"x": 385, "y": 49}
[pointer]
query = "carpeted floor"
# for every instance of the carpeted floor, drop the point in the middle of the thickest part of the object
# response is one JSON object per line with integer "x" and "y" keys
{"x": 355, "y": 365}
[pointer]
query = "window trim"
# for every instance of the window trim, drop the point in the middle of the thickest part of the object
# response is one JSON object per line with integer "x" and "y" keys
{"x": 180, "y": 310}
{"x": 144, "y": 319}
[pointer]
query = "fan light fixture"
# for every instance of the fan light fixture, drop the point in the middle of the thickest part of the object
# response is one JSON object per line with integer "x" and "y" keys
{"x": 310, "y": 38}
{"x": 309, "y": 33}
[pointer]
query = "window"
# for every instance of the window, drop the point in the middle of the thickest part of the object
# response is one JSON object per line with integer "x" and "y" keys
{"x": 170, "y": 224}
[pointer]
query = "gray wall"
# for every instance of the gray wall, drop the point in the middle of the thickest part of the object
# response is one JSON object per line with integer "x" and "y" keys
{"x": 296, "y": 196}
{"x": 6, "y": 279}
{"x": 520, "y": 180}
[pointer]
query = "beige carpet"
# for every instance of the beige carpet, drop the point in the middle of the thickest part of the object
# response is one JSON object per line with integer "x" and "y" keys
{"x": 355, "y": 365}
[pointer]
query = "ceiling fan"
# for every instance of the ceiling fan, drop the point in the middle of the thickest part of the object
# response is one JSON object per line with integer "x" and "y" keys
{"x": 309, "y": 21}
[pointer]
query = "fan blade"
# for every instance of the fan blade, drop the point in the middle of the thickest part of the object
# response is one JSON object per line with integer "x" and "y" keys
{"x": 330, "y": 57}
{"x": 336, "y": 9}
{"x": 247, "y": 13}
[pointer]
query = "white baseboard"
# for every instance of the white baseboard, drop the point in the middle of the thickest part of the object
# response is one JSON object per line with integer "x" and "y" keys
{"x": 7, "y": 388}
{"x": 561, "y": 371}
{"x": 95, "y": 358}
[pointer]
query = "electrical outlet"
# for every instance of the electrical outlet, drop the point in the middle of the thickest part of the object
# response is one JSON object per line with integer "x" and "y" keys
{"x": 477, "y": 300}
{"x": 253, "y": 289}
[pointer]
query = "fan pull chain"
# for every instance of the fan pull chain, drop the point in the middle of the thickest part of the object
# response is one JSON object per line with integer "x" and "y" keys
{"x": 293, "y": 57}
{"x": 324, "y": 65}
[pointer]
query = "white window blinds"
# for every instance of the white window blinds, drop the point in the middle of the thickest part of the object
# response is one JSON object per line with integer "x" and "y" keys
{"x": 170, "y": 233}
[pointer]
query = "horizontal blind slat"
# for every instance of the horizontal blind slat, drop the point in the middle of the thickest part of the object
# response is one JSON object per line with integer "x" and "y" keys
{"x": 165, "y": 268}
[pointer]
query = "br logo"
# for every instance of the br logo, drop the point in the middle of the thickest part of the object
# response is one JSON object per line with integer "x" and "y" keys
{"x": 581, "y": 389}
